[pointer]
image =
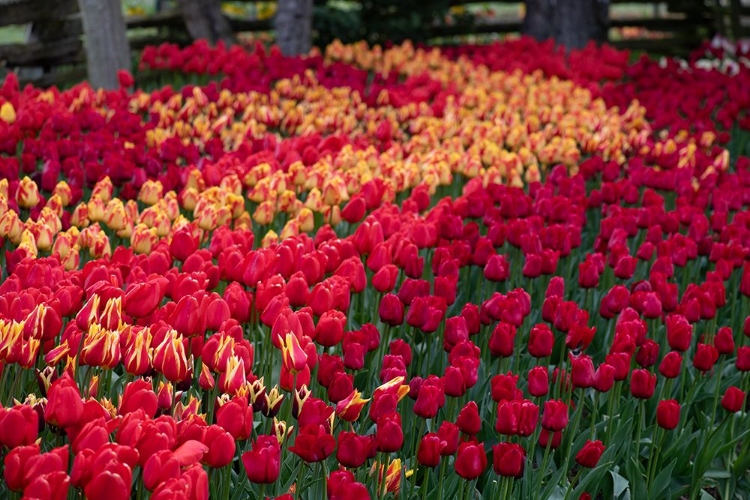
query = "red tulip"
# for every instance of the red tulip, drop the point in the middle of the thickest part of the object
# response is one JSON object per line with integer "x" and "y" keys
{"x": 468, "y": 420}
{"x": 679, "y": 332}
{"x": 555, "y": 416}
{"x": 671, "y": 365}
{"x": 429, "y": 450}
{"x": 353, "y": 450}
{"x": 470, "y": 461}
{"x": 52, "y": 486}
{"x": 236, "y": 417}
{"x": 508, "y": 459}
{"x": 668, "y": 414}
{"x": 391, "y": 310}
{"x": 313, "y": 443}
{"x": 538, "y": 379}
{"x": 389, "y": 435}
{"x": 642, "y": 384}
{"x": 19, "y": 426}
{"x": 582, "y": 371}
{"x": 64, "y": 405}
{"x": 733, "y": 399}
{"x": 590, "y": 454}
{"x": 262, "y": 462}
{"x": 541, "y": 341}
{"x": 221, "y": 447}
{"x": 138, "y": 395}
{"x": 705, "y": 357}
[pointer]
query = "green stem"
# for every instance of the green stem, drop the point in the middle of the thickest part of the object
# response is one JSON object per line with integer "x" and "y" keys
{"x": 639, "y": 426}
{"x": 543, "y": 469}
{"x": 572, "y": 483}
{"x": 414, "y": 455}
{"x": 425, "y": 485}
{"x": 659, "y": 435}
{"x": 717, "y": 389}
{"x": 442, "y": 475}
{"x": 506, "y": 482}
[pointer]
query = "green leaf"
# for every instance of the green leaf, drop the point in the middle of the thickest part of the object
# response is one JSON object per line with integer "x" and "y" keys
{"x": 620, "y": 490}
{"x": 636, "y": 477}
{"x": 717, "y": 474}
{"x": 662, "y": 480}
{"x": 593, "y": 476}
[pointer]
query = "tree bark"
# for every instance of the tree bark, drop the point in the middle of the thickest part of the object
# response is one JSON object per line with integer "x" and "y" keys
{"x": 572, "y": 23}
{"x": 107, "y": 48}
{"x": 293, "y": 24}
{"x": 204, "y": 20}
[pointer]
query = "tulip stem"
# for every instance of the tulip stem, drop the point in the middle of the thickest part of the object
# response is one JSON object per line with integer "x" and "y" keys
{"x": 717, "y": 389}
{"x": 461, "y": 489}
{"x": 442, "y": 475}
{"x": 414, "y": 455}
{"x": 262, "y": 494}
{"x": 654, "y": 455}
{"x": 425, "y": 484}
{"x": 638, "y": 428}
{"x": 594, "y": 412}
{"x": 572, "y": 483}
{"x": 543, "y": 468}
{"x": 506, "y": 481}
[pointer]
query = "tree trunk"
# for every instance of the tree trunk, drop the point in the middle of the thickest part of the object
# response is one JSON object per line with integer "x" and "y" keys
{"x": 203, "y": 19}
{"x": 293, "y": 24}
{"x": 572, "y": 23}
{"x": 107, "y": 49}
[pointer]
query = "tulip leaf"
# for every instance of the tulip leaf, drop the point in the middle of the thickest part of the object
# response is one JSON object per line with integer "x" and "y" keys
{"x": 717, "y": 474}
{"x": 636, "y": 478}
{"x": 620, "y": 490}
{"x": 553, "y": 483}
{"x": 662, "y": 480}
{"x": 593, "y": 476}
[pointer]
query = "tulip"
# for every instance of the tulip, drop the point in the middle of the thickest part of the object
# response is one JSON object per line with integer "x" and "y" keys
{"x": 313, "y": 443}
{"x": 342, "y": 486}
{"x": 349, "y": 408}
{"x": 590, "y": 454}
{"x": 53, "y": 485}
{"x": 468, "y": 420}
{"x": 668, "y": 414}
{"x": 64, "y": 405}
{"x": 541, "y": 341}
{"x": 470, "y": 461}
{"x": 169, "y": 357}
{"x": 449, "y": 434}
{"x": 582, "y": 371}
{"x": 19, "y": 426}
{"x": 538, "y": 381}
{"x": 262, "y": 462}
{"x": 705, "y": 357}
{"x": 642, "y": 384}
{"x": 508, "y": 459}
{"x": 16, "y": 463}
{"x": 671, "y": 365}
{"x": 236, "y": 417}
{"x": 429, "y": 450}
{"x": 733, "y": 399}
{"x": 502, "y": 340}
{"x": 389, "y": 435}
{"x": 221, "y": 447}
{"x": 353, "y": 450}
{"x": 555, "y": 416}
{"x": 679, "y": 332}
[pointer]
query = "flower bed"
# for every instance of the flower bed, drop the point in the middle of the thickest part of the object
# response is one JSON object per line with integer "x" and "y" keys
{"x": 371, "y": 273}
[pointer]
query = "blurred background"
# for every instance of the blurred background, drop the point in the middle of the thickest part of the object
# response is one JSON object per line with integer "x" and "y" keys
{"x": 44, "y": 42}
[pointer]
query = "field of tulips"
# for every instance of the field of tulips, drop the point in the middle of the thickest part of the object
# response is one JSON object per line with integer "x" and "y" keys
{"x": 477, "y": 272}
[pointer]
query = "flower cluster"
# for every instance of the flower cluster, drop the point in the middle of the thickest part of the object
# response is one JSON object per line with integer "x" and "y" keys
{"x": 376, "y": 272}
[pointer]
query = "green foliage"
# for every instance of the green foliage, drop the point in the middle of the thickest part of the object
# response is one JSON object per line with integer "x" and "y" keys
{"x": 378, "y": 21}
